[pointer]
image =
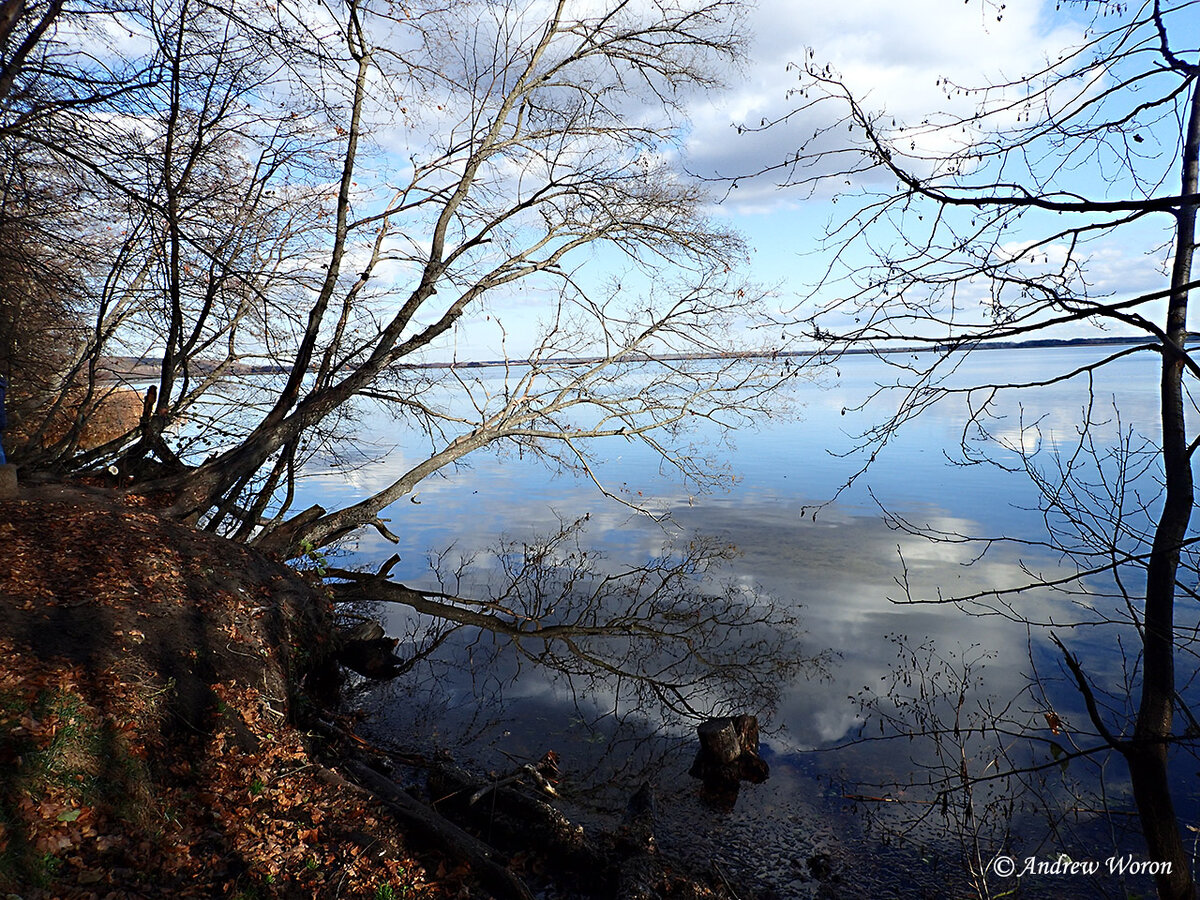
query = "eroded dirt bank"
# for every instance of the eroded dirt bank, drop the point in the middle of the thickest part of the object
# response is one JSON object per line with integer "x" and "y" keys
{"x": 155, "y": 739}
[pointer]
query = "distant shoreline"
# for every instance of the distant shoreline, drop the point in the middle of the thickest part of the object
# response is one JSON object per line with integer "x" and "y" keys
{"x": 125, "y": 368}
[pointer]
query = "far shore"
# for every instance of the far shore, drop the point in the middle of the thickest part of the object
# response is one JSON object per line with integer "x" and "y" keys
{"x": 132, "y": 369}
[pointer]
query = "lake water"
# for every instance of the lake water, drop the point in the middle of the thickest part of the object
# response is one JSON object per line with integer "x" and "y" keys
{"x": 841, "y": 783}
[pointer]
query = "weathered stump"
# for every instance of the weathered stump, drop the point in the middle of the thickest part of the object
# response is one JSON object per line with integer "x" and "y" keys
{"x": 728, "y": 755}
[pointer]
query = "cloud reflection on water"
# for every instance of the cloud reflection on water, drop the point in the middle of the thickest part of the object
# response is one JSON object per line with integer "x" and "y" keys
{"x": 839, "y": 568}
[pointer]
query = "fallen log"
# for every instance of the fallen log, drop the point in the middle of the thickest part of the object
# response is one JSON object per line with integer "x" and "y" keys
{"x": 625, "y": 865}
{"x": 483, "y": 859}
{"x": 366, "y": 649}
{"x": 514, "y": 818}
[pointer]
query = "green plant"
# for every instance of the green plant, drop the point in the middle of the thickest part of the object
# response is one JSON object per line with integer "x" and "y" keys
{"x": 70, "y": 759}
{"x": 385, "y": 892}
{"x": 312, "y": 558}
{"x": 48, "y": 868}
{"x": 84, "y": 761}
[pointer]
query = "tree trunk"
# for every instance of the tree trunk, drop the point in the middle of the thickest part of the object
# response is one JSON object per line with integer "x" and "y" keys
{"x": 1147, "y": 756}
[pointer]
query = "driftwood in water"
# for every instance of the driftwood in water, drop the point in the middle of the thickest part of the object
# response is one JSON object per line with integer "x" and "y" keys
{"x": 513, "y": 818}
{"x": 728, "y": 755}
{"x": 366, "y": 630}
{"x": 625, "y": 866}
{"x": 483, "y": 859}
{"x": 368, "y": 651}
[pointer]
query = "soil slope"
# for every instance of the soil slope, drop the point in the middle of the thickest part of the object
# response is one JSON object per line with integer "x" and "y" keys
{"x": 146, "y": 744}
{"x": 149, "y": 745}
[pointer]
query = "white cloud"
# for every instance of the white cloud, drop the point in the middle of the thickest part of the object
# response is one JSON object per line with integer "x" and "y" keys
{"x": 895, "y": 57}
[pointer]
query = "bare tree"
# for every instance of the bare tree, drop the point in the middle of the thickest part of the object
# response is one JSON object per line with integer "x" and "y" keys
{"x": 22, "y": 28}
{"x": 975, "y": 227}
{"x": 541, "y": 161}
{"x": 310, "y": 201}
{"x": 288, "y": 215}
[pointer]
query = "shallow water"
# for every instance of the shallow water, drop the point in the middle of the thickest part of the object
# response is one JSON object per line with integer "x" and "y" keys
{"x": 841, "y": 571}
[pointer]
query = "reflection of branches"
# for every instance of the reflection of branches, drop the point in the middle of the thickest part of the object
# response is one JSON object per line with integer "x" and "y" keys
{"x": 974, "y": 226}
{"x": 983, "y": 769}
{"x": 666, "y": 630}
{"x": 661, "y": 375}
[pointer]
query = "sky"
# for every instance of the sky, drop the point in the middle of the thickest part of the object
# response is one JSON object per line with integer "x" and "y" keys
{"x": 891, "y": 54}
{"x": 895, "y": 58}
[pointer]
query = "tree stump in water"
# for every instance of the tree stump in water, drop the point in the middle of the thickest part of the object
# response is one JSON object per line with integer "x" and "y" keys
{"x": 728, "y": 756}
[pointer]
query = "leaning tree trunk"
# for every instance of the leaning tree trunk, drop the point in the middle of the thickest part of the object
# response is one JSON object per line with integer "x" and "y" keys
{"x": 1147, "y": 754}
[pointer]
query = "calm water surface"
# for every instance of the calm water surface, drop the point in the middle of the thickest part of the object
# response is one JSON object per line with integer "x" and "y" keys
{"x": 840, "y": 570}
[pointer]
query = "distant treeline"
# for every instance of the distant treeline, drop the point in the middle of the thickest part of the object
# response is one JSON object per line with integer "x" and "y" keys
{"x": 127, "y": 368}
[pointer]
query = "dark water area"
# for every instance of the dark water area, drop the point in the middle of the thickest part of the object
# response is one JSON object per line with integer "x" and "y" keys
{"x": 850, "y": 808}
